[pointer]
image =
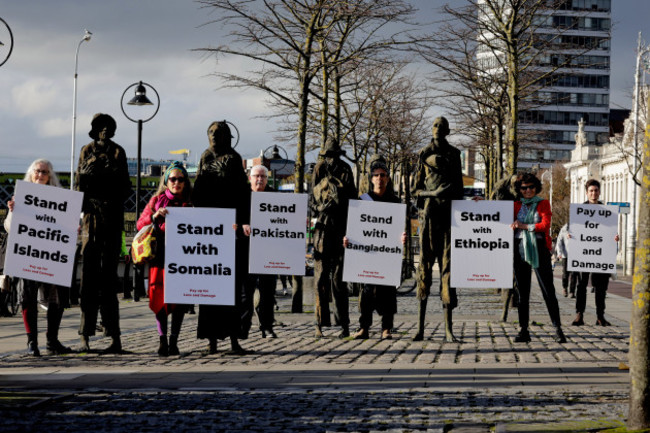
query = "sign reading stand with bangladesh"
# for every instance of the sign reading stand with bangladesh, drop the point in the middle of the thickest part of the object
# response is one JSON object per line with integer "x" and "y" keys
{"x": 200, "y": 256}
{"x": 374, "y": 251}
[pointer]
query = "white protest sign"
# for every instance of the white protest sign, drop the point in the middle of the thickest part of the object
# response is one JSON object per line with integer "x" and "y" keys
{"x": 591, "y": 247}
{"x": 278, "y": 227}
{"x": 481, "y": 244}
{"x": 200, "y": 256}
{"x": 43, "y": 233}
{"x": 374, "y": 251}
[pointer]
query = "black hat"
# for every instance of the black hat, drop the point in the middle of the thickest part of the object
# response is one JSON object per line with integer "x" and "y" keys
{"x": 332, "y": 148}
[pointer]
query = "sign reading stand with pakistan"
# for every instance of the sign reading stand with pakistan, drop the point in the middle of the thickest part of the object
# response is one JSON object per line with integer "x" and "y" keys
{"x": 374, "y": 251}
{"x": 200, "y": 256}
{"x": 277, "y": 240}
{"x": 481, "y": 244}
{"x": 592, "y": 247}
{"x": 43, "y": 233}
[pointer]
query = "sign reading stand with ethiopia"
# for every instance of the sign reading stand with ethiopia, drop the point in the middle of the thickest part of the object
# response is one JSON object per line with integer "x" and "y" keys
{"x": 43, "y": 233}
{"x": 481, "y": 244}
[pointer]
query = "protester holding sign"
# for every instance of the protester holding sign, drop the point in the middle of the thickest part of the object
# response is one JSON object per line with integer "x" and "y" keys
{"x": 599, "y": 280}
{"x": 174, "y": 191}
{"x": 221, "y": 183}
{"x": 265, "y": 283}
{"x": 373, "y": 296}
{"x": 103, "y": 176}
{"x": 55, "y": 298}
{"x": 533, "y": 253}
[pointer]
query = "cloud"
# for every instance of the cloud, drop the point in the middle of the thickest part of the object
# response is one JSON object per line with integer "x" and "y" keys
{"x": 36, "y": 96}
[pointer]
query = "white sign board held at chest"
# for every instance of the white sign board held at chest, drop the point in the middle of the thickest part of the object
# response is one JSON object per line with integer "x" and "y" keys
{"x": 200, "y": 256}
{"x": 277, "y": 240}
{"x": 43, "y": 233}
{"x": 481, "y": 244}
{"x": 592, "y": 247}
{"x": 374, "y": 251}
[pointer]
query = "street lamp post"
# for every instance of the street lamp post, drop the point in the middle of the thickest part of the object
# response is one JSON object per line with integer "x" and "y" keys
{"x": 640, "y": 52}
{"x": 139, "y": 99}
{"x": 86, "y": 38}
{"x": 11, "y": 43}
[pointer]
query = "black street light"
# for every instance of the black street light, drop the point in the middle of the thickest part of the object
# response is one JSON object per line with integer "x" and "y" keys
{"x": 140, "y": 98}
{"x": 10, "y": 42}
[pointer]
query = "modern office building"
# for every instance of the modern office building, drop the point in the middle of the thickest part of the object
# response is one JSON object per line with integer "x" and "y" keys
{"x": 578, "y": 30}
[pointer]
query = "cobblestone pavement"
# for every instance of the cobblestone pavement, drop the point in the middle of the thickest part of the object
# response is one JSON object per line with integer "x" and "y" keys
{"x": 299, "y": 383}
{"x": 411, "y": 411}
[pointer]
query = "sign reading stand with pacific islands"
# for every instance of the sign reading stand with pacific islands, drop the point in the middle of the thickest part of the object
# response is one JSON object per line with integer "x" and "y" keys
{"x": 481, "y": 244}
{"x": 43, "y": 233}
{"x": 200, "y": 256}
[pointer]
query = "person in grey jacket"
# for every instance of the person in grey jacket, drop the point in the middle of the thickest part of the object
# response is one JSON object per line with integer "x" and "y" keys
{"x": 569, "y": 279}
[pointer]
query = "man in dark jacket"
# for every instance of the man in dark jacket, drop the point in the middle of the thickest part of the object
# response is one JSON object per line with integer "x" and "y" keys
{"x": 103, "y": 177}
{"x": 332, "y": 188}
{"x": 438, "y": 181}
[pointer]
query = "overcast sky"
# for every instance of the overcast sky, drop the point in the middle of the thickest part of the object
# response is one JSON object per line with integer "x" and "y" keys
{"x": 151, "y": 40}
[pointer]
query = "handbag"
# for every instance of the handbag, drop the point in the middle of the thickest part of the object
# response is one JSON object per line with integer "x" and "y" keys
{"x": 143, "y": 247}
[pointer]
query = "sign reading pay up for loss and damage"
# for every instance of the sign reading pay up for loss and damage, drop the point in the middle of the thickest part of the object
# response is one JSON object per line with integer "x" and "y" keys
{"x": 592, "y": 246}
{"x": 374, "y": 251}
{"x": 481, "y": 244}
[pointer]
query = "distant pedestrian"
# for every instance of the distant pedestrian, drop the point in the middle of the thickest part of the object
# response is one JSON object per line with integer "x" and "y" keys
{"x": 569, "y": 279}
{"x": 175, "y": 190}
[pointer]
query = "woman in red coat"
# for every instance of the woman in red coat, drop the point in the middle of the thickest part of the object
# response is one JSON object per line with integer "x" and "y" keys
{"x": 533, "y": 253}
{"x": 174, "y": 191}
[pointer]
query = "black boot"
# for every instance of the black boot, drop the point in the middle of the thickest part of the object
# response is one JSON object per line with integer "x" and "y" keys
{"x": 523, "y": 337}
{"x": 559, "y": 335}
{"x": 163, "y": 348}
{"x": 32, "y": 345}
{"x": 173, "y": 345}
{"x": 54, "y": 346}
{"x": 115, "y": 347}
{"x": 212, "y": 346}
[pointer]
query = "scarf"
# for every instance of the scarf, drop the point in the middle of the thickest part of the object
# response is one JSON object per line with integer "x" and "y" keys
{"x": 530, "y": 241}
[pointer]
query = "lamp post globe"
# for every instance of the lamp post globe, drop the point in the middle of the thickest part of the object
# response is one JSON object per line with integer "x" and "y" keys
{"x": 140, "y": 99}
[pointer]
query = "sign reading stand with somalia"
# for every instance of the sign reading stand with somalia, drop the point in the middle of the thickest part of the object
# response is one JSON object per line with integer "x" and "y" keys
{"x": 200, "y": 256}
{"x": 481, "y": 244}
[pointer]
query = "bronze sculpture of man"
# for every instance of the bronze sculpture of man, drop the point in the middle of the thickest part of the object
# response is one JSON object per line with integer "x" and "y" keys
{"x": 438, "y": 180}
{"x": 103, "y": 176}
{"x": 332, "y": 188}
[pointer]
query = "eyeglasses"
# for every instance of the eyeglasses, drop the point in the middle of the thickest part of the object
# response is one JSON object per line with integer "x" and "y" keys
{"x": 42, "y": 172}
{"x": 259, "y": 175}
{"x": 525, "y": 187}
{"x": 173, "y": 179}
{"x": 382, "y": 175}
